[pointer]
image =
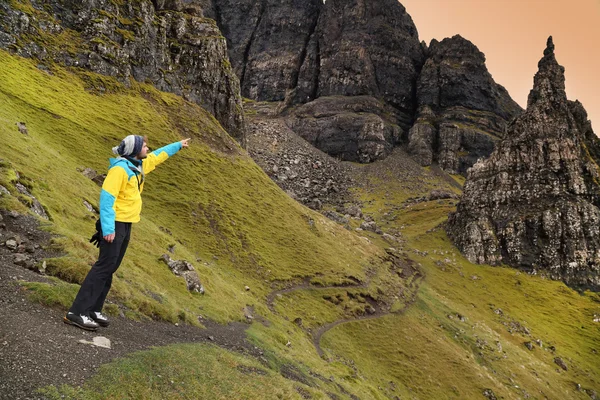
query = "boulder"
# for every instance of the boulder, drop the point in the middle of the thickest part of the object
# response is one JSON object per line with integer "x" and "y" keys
{"x": 186, "y": 270}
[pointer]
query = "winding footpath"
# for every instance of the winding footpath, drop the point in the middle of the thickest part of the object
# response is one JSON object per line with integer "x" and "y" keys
{"x": 378, "y": 310}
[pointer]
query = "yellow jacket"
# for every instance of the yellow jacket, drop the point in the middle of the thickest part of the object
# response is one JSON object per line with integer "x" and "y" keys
{"x": 120, "y": 198}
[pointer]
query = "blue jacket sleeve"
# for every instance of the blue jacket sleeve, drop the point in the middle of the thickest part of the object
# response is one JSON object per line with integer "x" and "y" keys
{"x": 115, "y": 181}
{"x": 159, "y": 156}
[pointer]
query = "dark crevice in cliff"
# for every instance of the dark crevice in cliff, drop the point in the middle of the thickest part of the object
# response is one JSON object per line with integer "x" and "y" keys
{"x": 315, "y": 78}
{"x": 378, "y": 88}
{"x": 302, "y": 58}
{"x": 219, "y": 21}
{"x": 249, "y": 45}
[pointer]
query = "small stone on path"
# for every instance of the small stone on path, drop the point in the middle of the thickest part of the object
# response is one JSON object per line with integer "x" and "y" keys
{"x": 98, "y": 341}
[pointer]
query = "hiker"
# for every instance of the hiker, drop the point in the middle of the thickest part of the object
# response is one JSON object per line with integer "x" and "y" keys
{"x": 120, "y": 206}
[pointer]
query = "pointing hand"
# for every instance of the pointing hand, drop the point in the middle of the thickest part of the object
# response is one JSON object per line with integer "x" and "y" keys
{"x": 185, "y": 142}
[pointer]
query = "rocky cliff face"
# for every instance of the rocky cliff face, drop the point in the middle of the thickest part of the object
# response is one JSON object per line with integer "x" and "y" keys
{"x": 534, "y": 203}
{"x": 462, "y": 111}
{"x": 267, "y": 42}
{"x": 298, "y": 52}
{"x": 168, "y": 43}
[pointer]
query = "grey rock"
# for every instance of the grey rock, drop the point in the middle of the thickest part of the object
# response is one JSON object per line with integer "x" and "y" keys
{"x": 462, "y": 111}
{"x": 332, "y": 215}
{"x": 11, "y": 244}
{"x": 22, "y": 127}
{"x": 98, "y": 341}
{"x": 302, "y": 51}
{"x": 534, "y": 203}
{"x": 22, "y": 189}
{"x": 4, "y": 191}
{"x": 370, "y": 226}
{"x": 559, "y": 361}
{"x": 186, "y": 270}
{"x": 350, "y": 128}
{"x": 37, "y": 208}
{"x": 489, "y": 394}
{"x": 89, "y": 207}
{"x": 309, "y": 172}
{"x": 21, "y": 259}
{"x": 93, "y": 175}
{"x": 267, "y": 42}
{"x": 390, "y": 238}
{"x": 42, "y": 267}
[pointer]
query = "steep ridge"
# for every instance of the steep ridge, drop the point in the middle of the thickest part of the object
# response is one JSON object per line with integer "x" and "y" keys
{"x": 462, "y": 111}
{"x": 357, "y": 60}
{"x": 364, "y": 83}
{"x": 534, "y": 203}
{"x": 175, "y": 48}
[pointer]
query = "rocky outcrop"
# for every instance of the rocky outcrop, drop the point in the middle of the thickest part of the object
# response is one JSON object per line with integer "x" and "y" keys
{"x": 365, "y": 48}
{"x": 462, "y": 111}
{"x": 316, "y": 49}
{"x": 534, "y": 203}
{"x": 168, "y": 43}
{"x": 349, "y": 128}
{"x": 187, "y": 271}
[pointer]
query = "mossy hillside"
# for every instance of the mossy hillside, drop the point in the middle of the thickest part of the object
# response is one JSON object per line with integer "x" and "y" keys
{"x": 467, "y": 329}
{"x": 211, "y": 201}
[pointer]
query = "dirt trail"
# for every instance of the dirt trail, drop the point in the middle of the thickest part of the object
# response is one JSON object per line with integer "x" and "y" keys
{"x": 306, "y": 285}
{"x": 37, "y": 349}
{"x": 377, "y": 313}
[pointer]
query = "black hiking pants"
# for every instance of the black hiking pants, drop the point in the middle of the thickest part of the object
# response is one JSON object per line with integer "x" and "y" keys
{"x": 96, "y": 284}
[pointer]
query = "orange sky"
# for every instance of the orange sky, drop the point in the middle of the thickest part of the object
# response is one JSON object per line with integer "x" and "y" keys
{"x": 512, "y": 34}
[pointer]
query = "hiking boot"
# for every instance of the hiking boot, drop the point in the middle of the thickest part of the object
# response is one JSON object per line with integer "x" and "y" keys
{"x": 80, "y": 321}
{"x": 100, "y": 318}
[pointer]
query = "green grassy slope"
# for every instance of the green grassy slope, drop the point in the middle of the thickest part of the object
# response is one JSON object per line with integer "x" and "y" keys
{"x": 463, "y": 335}
{"x": 211, "y": 201}
{"x": 466, "y": 333}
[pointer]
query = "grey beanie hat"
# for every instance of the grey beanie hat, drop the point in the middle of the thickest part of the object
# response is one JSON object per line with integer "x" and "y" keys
{"x": 130, "y": 146}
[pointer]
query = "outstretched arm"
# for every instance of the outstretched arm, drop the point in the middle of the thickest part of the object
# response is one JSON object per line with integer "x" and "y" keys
{"x": 160, "y": 155}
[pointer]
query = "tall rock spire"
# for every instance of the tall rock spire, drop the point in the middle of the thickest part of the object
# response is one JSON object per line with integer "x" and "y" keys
{"x": 534, "y": 203}
{"x": 549, "y": 81}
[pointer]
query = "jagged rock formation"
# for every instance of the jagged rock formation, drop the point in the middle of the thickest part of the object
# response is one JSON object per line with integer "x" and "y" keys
{"x": 298, "y": 52}
{"x": 168, "y": 43}
{"x": 462, "y": 111}
{"x": 349, "y": 128}
{"x": 534, "y": 203}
